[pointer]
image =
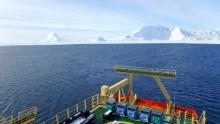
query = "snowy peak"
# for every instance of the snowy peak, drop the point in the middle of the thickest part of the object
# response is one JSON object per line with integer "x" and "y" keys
{"x": 176, "y": 34}
{"x": 172, "y": 34}
{"x": 52, "y": 37}
{"x": 152, "y": 32}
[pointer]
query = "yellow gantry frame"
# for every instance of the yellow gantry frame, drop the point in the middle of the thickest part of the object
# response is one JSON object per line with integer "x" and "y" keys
{"x": 155, "y": 74}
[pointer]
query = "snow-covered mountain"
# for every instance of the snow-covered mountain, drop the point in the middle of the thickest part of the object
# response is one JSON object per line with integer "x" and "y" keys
{"x": 171, "y": 33}
{"x": 148, "y": 34}
{"x": 152, "y": 32}
{"x": 52, "y": 37}
{"x": 176, "y": 34}
{"x": 206, "y": 35}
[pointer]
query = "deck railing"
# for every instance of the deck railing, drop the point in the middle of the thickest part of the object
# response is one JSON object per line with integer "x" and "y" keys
{"x": 86, "y": 104}
{"x": 24, "y": 117}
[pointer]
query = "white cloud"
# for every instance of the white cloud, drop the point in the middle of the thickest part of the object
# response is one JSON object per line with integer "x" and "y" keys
{"x": 95, "y": 17}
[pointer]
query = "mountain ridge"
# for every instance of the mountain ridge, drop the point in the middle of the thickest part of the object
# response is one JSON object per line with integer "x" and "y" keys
{"x": 148, "y": 34}
{"x": 157, "y": 32}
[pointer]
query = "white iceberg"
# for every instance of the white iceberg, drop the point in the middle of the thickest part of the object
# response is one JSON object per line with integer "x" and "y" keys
{"x": 52, "y": 37}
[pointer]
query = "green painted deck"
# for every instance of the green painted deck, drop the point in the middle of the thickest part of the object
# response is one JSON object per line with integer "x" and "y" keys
{"x": 101, "y": 110}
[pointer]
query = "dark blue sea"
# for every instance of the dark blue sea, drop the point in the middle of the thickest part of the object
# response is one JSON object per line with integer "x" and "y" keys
{"x": 53, "y": 78}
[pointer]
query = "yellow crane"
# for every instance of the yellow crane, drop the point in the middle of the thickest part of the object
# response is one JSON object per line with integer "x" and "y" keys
{"x": 134, "y": 71}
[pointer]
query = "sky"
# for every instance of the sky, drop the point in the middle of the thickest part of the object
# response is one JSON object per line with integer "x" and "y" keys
{"x": 32, "y": 20}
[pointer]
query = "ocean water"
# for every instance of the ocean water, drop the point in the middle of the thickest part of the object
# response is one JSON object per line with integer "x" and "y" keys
{"x": 53, "y": 78}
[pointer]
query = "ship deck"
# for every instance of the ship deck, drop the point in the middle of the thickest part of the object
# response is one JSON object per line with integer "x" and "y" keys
{"x": 100, "y": 110}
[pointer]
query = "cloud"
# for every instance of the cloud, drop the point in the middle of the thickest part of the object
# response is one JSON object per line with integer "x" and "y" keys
{"x": 109, "y": 17}
{"x": 56, "y": 15}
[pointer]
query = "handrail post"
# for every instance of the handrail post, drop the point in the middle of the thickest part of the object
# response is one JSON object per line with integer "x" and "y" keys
{"x": 85, "y": 105}
{"x": 97, "y": 99}
{"x": 92, "y": 102}
{"x": 19, "y": 115}
{"x": 193, "y": 119}
{"x": 57, "y": 119}
{"x": 202, "y": 118}
{"x": 68, "y": 113}
{"x": 185, "y": 114}
{"x": 11, "y": 119}
{"x": 119, "y": 96}
{"x": 77, "y": 108}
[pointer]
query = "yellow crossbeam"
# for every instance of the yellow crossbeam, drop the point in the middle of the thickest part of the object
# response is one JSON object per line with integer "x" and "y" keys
{"x": 145, "y": 72}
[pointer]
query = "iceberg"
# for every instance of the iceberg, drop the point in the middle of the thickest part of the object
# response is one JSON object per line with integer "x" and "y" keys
{"x": 52, "y": 37}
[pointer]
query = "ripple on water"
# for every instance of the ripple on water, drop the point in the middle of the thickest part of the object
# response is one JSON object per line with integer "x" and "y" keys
{"x": 56, "y": 77}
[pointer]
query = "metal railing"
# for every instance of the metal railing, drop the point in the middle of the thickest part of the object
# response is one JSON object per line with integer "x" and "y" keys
{"x": 202, "y": 118}
{"x": 86, "y": 104}
{"x": 26, "y": 116}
